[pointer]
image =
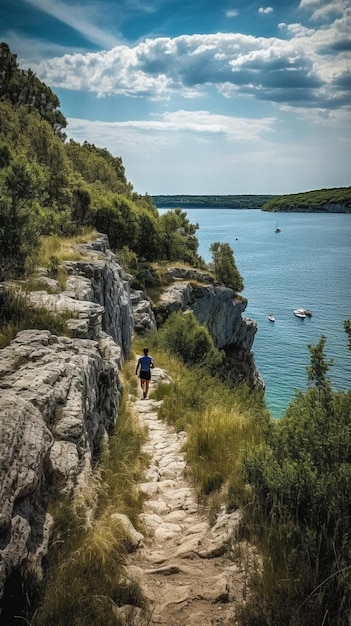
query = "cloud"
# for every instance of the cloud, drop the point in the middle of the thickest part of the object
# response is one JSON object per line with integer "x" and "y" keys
{"x": 265, "y": 10}
{"x": 80, "y": 18}
{"x": 308, "y": 65}
{"x": 232, "y": 13}
{"x": 325, "y": 9}
{"x": 197, "y": 123}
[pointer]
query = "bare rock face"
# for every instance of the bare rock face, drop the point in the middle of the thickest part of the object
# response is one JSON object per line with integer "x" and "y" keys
{"x": 221, "y": 310}
{"x": 25, "y": 443}
{"x": 218, "y": 308}
{"x": 59, "y": 400}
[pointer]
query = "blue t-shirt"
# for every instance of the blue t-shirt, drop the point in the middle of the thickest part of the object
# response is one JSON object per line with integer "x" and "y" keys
{"x": 145, "y": 362}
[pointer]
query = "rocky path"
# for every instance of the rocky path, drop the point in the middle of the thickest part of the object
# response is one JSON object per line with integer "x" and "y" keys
{"x": 185, "y": 566}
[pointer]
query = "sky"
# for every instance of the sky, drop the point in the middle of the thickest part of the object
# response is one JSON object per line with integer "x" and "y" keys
{"x": 199, "y": 97}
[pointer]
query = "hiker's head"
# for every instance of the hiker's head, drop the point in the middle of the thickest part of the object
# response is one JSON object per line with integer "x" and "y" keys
{"x": 146, "y": 350}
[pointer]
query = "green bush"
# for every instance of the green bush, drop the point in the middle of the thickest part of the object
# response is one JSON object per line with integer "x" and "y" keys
{"x": 187, "y": 339}
{"x": 300, "y": 514}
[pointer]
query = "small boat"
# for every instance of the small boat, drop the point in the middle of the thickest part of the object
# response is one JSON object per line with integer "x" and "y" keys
{"x": 277, "y": 229}
{"x": 271, "y": 317}
{"x": 300, "y": 313}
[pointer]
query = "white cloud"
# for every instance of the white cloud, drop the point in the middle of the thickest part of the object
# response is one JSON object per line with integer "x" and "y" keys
{"x": 306, "y": 69}
{"x": 265, "y": 10}
{"x": 232, "y": 13}
{"x": 198, "y": 123}
{"x": 324, "y": 9}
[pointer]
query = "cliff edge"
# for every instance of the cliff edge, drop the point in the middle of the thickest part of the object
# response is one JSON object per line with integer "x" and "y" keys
{"x": 60, "y": 395}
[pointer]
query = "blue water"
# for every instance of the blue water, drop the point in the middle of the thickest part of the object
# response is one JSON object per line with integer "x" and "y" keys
{"x": 307, "y": 265}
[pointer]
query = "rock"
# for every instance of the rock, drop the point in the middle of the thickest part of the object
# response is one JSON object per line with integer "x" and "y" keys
{"x": 135, "y": 538}
{"x": 221, "y": 310}
{"x": 25, "y": 443}
{"x": 59, "y": 402}
{"x": 131, "y": 615}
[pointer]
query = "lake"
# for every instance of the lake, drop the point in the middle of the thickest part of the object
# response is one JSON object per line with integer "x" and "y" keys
{"x": 306, "y": 265}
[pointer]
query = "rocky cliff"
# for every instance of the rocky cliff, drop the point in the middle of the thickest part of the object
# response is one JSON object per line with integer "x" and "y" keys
{"x": 59, "y": 400}
{"x": 59, "y": 396}
{"x": 221, "y": 310}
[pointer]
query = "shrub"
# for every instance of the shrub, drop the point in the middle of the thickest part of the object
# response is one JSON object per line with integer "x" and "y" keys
{"x": 186, "y": 338}
{"x": 300, "y": 513}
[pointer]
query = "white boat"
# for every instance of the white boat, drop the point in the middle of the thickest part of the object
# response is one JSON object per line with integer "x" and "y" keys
{"x": 271, "y": 317}
{"x": 300, "y": 313}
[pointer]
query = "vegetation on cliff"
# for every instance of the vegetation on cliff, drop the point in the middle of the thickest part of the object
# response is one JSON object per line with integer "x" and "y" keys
{"x": 50, "y": 187}
{"x": 321, "y": 200}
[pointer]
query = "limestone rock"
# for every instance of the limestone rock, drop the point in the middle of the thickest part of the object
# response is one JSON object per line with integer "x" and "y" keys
{"x": 25, "y": 443}
{"x": 134, "y": 536}
{"x": 59, "y": 402}
{"x": 221, "y": 310}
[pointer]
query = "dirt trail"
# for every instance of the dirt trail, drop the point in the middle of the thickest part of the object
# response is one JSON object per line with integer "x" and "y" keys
{"x": 186, "y": 567}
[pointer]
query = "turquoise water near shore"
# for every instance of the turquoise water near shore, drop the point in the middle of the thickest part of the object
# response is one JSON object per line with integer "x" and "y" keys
{"x": 307, "y": 265}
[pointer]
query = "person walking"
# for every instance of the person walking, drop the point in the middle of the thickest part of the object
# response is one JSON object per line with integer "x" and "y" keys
{"x": 144, "y": 366}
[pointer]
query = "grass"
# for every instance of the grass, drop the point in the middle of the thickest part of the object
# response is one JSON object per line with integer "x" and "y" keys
{"x": 86, "y": 579}
{"x": 16, "y": 315}
{"x": 62, "y": 248}
{"x": 221, "y": 423}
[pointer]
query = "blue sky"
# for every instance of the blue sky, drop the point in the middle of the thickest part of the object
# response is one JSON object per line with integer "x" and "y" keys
{"x": 225, "y": 97}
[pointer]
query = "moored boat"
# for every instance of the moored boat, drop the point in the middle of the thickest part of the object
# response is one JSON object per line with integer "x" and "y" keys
{"x": 300, "y": 313}
{"x": 271, "y": 317}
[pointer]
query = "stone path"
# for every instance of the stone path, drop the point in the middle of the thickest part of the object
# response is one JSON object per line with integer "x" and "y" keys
{"x": 186, "y": 567}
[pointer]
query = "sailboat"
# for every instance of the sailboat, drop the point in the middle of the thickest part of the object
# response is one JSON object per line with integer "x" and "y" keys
{"x": 277, "y": 229}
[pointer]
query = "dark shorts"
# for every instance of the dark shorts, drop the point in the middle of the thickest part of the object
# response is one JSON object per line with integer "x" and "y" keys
{"x": 145, "y": 375}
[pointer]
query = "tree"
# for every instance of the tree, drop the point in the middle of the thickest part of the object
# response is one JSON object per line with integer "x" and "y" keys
{"x": 178, "y": 239}
{"x": 317, "y": 371}
{"x": 224, "y": 267}
{"x": 19, "y": 210}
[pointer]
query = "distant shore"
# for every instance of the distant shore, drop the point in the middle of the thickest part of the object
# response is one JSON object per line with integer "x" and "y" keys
{"x": 206, "y": 202}
{"x": 336, "y": 200}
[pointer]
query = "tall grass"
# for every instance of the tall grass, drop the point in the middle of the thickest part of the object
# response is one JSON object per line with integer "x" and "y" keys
{"x": 86, "y": 579}
{"x": 17, "y": 314}
{"x": 221, "y": 422}
{"x": 62, "y": 248}
{"x": 216, "y": 441}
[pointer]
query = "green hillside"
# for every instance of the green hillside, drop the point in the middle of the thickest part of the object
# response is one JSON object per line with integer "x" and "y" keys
{"x": 336, "y": 200}
{"x": 51, "y": 186}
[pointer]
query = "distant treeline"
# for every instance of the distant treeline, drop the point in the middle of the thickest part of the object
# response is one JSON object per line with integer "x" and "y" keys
{"x": 335, "y": 200}
{"x": 206, "y": 202}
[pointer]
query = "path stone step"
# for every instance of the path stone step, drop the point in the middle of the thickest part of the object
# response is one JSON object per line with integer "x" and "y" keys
{"x": 184, "y": 566}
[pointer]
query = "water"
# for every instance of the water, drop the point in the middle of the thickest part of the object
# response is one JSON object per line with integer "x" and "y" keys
{"x": 307, "y": 265}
